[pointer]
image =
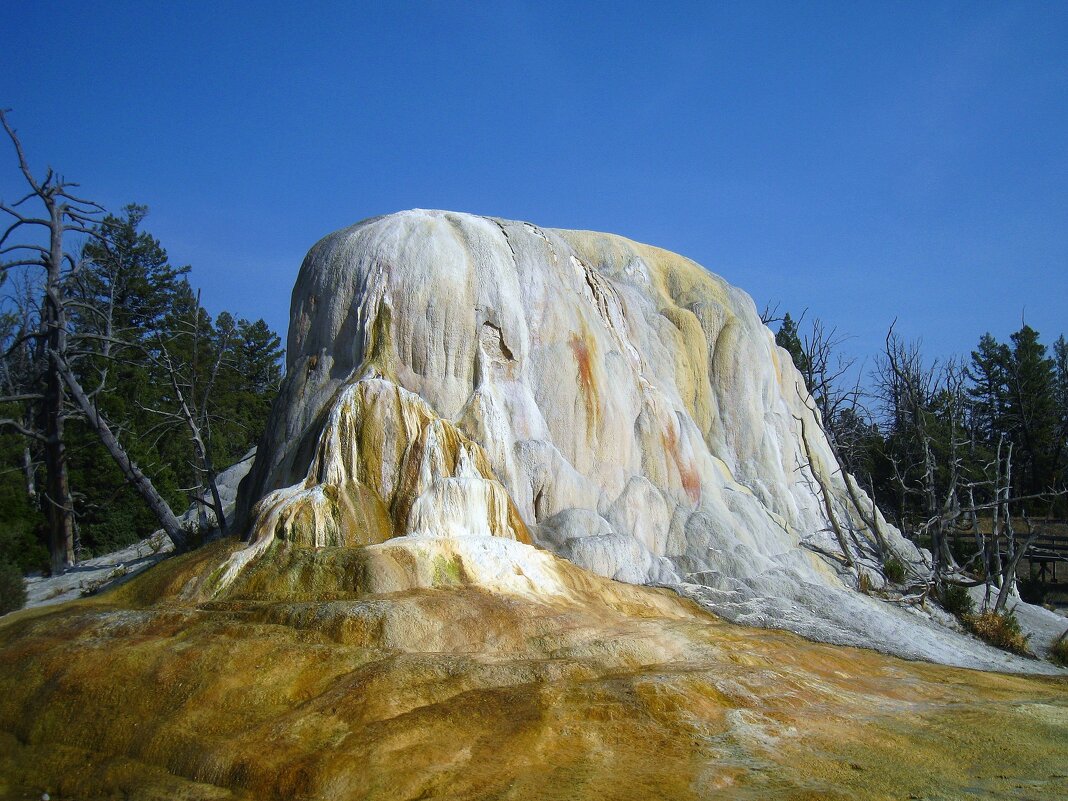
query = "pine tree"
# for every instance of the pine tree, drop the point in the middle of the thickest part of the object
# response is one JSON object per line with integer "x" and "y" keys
{"x": 789, "y": 339}
{"x": 1030, "y": 410}
{"x": 125, "y": 289}
{"x": 1060, "y": 398}
{"x": 127, "y": 278}
{"x": 988, "y": 373}
{"x": 248, "y": 381}
{"x": 54, "y": 208}
{"x": 260, "y": 357}
{"x": 89, "y": 399}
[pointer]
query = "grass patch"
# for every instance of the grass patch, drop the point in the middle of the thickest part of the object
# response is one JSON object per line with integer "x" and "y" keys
{"x": 1059, "y": 652}
{"x": 956, "y": 600}
{"x": 893, "y": 570}
{"x": 1000, "y": 629}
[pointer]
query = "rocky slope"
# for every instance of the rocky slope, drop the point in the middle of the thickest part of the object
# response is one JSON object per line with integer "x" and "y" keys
{"x": 478, "y": 667}
{"x": 453, "y": 375}
{"x": 483, "y": 424}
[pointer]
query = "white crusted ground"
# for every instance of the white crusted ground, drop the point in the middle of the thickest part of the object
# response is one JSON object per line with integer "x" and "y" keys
{"x": 101, "y": 572}
{"x": 619, "y": 402}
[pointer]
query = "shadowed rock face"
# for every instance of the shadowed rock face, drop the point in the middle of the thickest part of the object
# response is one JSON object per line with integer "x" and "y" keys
{"x": 453, "y": 375}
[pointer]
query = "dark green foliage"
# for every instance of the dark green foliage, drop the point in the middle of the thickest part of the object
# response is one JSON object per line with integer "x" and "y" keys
{"x": 956, "y": 600}
{"x": 1019, "y": 398}
{"x": 789, "y": 339}
{"x": 248, "y": 379}
{"x": 894, "y": 570}
{"x": 988, "y": 373}
{"x": 226, "y": 371}
{"x": 130, "y": 307}
{"x": 12, "y": 588}
{"x": 110, "y": 513}
{"x": 129, "y": 283}
{"x": 21, "y": 521}
{"x": 115, "y": 526}
{"x": 20, "y": 546}
{"x": 259, "y": 359}
{"x": 1030, "y": 410}
{"x": 949, "y": 443}
{"x": 1060, "y": 403}
{"x": 960, "y": 424}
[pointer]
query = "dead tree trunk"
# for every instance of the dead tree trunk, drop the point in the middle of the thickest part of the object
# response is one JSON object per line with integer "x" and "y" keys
{"x": 60, "y": 506}
{"x": 129, "y": 468}
{"x": 1015, "y": 554}
{"x": 828, "y": 499}
{"x": 55, "y": 383}
{"x": 63, "y": 213}
{"x": 200, "y": 447}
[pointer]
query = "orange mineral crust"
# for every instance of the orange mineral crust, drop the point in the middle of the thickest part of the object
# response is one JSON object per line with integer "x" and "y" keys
{"x": 390, "y": 671}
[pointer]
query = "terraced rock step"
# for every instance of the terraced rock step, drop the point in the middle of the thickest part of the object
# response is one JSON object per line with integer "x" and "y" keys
{"x": 405, "y": 670}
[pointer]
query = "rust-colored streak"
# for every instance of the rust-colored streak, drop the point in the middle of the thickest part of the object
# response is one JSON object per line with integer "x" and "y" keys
{"x": 691, "y": 480}
{"x": 581, "y": 350}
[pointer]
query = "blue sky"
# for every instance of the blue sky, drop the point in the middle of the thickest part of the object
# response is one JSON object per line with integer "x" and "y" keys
{"x": 866, "y": 161}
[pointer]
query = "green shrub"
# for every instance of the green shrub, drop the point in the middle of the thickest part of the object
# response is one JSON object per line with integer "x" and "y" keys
{"x": 20, "y": 547}
{"x": 1059, "y": 652}
{"x": 114, "y": 529}
{"x": 1000, "y": 629}
{"x": 12, "y": 588}
{"x": 956, "y": 600}
{"x": 894, "y": 570}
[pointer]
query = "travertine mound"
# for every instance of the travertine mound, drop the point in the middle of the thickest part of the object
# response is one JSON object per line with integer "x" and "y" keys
{"x": 460, "y": 392}
{"x": 452, "y": 375}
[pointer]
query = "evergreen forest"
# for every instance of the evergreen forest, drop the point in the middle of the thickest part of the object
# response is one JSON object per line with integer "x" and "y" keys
{"x": 968, "y": 456}
{"x": 145, "y": 351}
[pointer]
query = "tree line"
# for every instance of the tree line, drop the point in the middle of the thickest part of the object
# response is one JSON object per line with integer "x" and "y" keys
{"x": 121, "y": 398}
{"x": 967, "y": 456}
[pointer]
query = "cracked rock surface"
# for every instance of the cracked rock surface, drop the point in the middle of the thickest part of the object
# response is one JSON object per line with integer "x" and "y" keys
{"x": 483, "y": 424}
{"x": 455, "y": 375}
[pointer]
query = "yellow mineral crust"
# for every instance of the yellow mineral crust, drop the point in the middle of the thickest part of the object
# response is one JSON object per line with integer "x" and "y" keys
{"x": 402, "y": 671}
{"x": 385, "y": 465}
{"x": 459, "y": 388}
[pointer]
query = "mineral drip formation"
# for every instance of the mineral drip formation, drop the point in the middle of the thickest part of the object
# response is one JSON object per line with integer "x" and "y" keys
{"x": 510, "y": 388}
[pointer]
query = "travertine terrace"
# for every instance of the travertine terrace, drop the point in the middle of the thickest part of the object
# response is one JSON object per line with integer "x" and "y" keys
{"x": 491, "y": 440}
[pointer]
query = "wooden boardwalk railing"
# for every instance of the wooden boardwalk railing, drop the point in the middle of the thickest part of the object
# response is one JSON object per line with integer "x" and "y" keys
{"x": 1046, "y": 551}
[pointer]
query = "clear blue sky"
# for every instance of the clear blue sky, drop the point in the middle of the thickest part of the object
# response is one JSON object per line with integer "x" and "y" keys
{"x": 867, "y": 161}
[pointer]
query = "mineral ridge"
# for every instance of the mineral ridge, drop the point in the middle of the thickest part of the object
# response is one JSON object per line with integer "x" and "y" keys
{"x": 483, "y": 423}
{"x": 451, "y": 375}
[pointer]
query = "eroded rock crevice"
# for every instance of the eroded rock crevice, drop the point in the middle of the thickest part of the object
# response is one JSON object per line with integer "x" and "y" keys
{"x": 612, "y": 402}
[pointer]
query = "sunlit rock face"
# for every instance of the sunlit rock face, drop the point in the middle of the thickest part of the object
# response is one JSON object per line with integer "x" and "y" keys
{"x": 452, "y": 375}
{"x": 460, "y": 392}
{"x": 477, "y": 667}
